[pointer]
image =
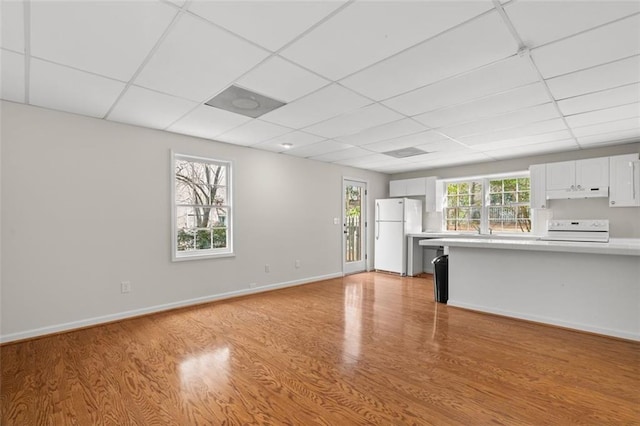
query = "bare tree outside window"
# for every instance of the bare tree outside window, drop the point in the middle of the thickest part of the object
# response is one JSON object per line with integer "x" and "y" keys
{"x": 202, "y": 208}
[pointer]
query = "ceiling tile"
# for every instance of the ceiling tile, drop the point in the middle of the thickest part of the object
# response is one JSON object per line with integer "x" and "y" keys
{"x": 297, "y": 139}
{"x": 66, "y": 89}
{"x": 624, "y": 136}
{"x": 281, "y": 80}
{"x": 326, "y": 103}
{"x": 147, "y": 108}
{"x": 531, "y": 129}
{"x": 177, "y": 2}
{"x": 11, "y": 76}
{"x": 503, "y": 75}
{"x": 403, "y": 127}
{"x": 606, "y": 76}
{"x": 364, "y": 161}
{"x": 407, "y": 141}
{"x": 605, "y": 44}
{"x": 342, "y": 154}
{"x": 606, "y": 98}
{"x": 393, "y": 165}
{"x": 197, "y": 60}
{"x": 513, "y": 119}
{"x": 354, "y": 121}
{"x": 366, "y": 32}
{"x": 81, "y": 34}
{"x": 318, "y": 148}
{"x": 535, "y": 149}
{"x": 12, "y": 28}
{"x": 525, "y": 140}
{"x": 451, "y": 160}
{"x": 253, "y": 132}
{"x": 480, "y": 42}
{"x": 271, "y": 24}
{"x": 526, "y": 96}
{"x": 539, "y": 22}
{"x": 604, "y": 115}
{"x": 208, "y": 122}
{"x": 608, "y": 127}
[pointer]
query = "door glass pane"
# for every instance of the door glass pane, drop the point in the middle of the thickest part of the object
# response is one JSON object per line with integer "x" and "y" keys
{"x": 353, "y": 223}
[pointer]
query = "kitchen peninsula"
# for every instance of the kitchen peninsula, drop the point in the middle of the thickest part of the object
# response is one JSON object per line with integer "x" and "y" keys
{"x": 586, "y": 286}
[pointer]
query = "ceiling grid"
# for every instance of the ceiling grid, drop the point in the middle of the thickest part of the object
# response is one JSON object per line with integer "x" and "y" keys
{"x": 465, "y": 81}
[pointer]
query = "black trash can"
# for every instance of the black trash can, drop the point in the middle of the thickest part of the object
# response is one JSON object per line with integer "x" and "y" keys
{"x": 441, "y": 278}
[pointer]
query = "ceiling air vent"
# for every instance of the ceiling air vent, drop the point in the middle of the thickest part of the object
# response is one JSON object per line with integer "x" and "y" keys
{"x": 242, "y": 101}
{"x": 405, "y": 152}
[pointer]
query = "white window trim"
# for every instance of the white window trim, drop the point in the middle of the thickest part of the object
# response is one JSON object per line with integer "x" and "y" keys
{"x": 484, "y": 211}
{"x": 200, "y": 254}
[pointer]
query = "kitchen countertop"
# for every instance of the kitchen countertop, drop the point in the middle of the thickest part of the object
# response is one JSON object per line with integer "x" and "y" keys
{"x": 615, "y": 246}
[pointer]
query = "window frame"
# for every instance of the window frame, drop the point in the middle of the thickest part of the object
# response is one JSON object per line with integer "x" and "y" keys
{"x": 486, "y": 201}
{"x": 212, "y": 253}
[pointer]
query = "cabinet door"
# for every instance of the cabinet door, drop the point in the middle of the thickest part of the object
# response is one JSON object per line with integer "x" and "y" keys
{"x": 430, "y": 196}
{"x": 592, "y": 173}
{"x": 624, "y": 189}
{"x": 416, "y": 186}
{"x": 538, "y": 186}
{"x": 397, "y": 188}
{"x": 560, "y": 176}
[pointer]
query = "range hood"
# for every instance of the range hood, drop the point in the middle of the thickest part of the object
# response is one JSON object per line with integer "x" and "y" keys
{"x": 568, "y": 194}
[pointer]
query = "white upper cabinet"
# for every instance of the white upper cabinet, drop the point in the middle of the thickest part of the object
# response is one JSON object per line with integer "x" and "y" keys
{"x": 425, "y": 187}
{"x": 561, "y": 176}
{"x": 537, "y": 173}
{"x": 624, "y": 177}
{"x": 578, "y": 179}
{"x": 408, "y": 187}
{"x": 592, "y": 173}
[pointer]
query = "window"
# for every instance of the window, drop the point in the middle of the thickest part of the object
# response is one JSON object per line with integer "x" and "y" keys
{"x": 464, "y": 206}
{"x": 201, "y": 207}
{"x": 496, "y": 204}
{"x": 509, "y": 205}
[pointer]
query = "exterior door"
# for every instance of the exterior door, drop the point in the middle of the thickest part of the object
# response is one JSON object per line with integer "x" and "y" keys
{"x": 354, "y": 257}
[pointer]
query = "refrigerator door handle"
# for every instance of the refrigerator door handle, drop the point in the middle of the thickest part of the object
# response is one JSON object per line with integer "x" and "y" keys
{"x": 377, "y": 221}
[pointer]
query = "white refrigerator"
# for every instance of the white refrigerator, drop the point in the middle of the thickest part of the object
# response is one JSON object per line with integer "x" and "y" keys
{"x": 395, "y": 218}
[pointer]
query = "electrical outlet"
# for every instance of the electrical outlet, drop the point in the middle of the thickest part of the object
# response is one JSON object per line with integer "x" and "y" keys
{"x": 336, "y": 221}
{"x": 125, "y": 287}
{"x": 267, "y": 268}
{"x": 253, "y": 285}
{"x": 297, "y": 263}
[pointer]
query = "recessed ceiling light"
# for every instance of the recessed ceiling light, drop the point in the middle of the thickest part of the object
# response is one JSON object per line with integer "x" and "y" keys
{"x": 287, "y": 145}
{"x": 243, "y": 101}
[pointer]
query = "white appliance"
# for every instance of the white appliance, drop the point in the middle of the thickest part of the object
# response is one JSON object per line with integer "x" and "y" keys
{"x": 395, "y": 218}
{"x": 596, "y": 231}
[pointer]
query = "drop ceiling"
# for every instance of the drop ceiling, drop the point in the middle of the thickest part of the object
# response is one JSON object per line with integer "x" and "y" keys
{"x": 463, "y": 81}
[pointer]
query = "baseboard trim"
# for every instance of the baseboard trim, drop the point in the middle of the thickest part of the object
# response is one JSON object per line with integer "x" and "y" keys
{"x": 89, "y": 322}
{"x": 549, "y": 321}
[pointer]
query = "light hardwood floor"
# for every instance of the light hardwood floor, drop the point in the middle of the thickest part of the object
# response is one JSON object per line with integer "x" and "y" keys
{"x": 364, "y": 349}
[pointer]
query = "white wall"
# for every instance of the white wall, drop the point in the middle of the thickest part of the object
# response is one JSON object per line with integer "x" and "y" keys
{"x": 624, "y": 221}
{"x": 86, "y": 204}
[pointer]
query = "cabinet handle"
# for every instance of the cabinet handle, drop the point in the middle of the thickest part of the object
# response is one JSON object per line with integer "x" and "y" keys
{"x": 573, "y": 187}
{"x": 633, "y": 178}
{"x": 579, "y": 186}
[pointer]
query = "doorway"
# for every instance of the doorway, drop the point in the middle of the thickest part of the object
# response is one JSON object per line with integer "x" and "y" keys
{"x": 354, "y": 225}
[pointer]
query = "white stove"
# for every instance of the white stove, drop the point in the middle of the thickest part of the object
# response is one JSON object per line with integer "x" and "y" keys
{"x": 596, "y": 231}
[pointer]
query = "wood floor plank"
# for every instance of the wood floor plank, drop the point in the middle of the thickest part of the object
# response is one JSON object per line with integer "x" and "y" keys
{"x": 363, "y": 349}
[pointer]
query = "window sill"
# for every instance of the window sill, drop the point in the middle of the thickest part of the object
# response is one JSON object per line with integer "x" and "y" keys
{"x": 201, "y": 256}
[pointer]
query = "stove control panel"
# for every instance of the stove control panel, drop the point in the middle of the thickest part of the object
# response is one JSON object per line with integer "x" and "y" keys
{"x": 578, "y": 225}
